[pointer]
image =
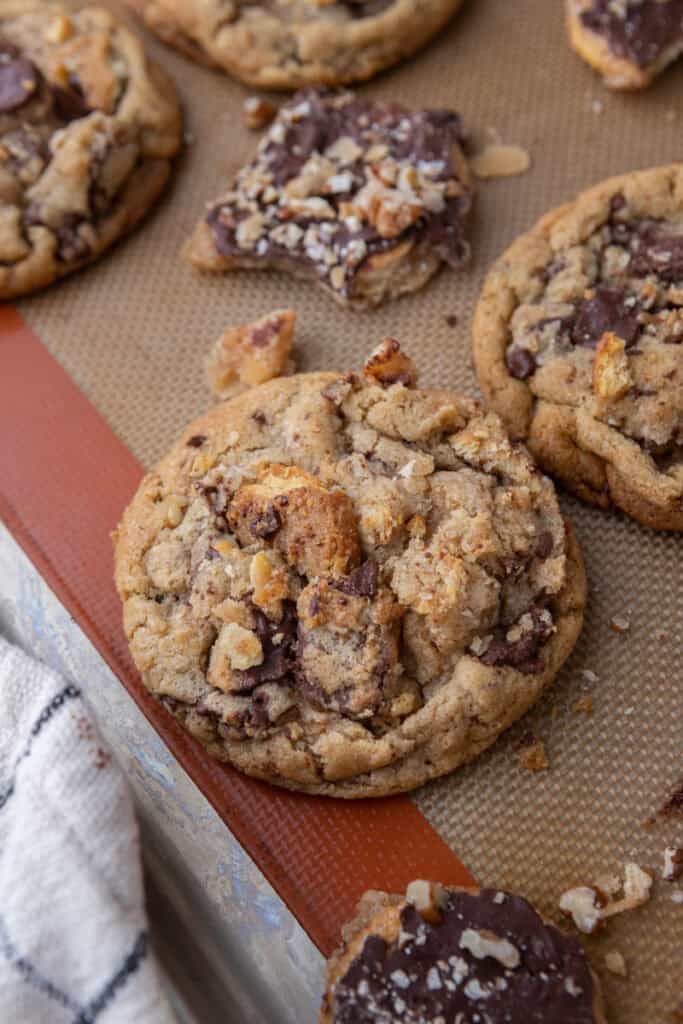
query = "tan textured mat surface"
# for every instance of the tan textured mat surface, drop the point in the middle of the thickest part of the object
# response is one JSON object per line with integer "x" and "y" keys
{"x": 133, "y": 330}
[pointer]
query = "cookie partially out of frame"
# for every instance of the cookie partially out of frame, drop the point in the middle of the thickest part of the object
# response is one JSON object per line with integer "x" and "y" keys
{"x": 457, "y": 955}
{"x": 88, "y": 127}
{"x": 293, "y": 43}
{"x": 347, "y": 585}
{"x": 629, "y": 42}
{"x": 578, "y": 344}
{"x": 367, "y": 198}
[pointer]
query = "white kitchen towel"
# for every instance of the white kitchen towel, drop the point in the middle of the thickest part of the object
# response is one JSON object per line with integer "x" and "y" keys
{"x": 74, "y": 946}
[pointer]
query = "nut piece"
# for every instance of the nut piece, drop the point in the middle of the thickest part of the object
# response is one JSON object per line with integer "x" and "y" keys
{"x": 589, "y": 906}
{"x": 619, "y": 625}
{"x": 673, "y": 864}
{"x": 485, "y": 943}
{"x": 533, "y": 757}
{"x": 257, "y": 112}
{"x": 387, "y": 365}
{"x": 236, "y": 649}
{"x": 251, "y": 354}
{"x": 611, "y": 374}
{"x": 60, "y": 29}
{"x": 427, "y": 898}
{"x": 582, "y": 905}
{"x": 270, "y": 585}
{"x": 498, "y": 160}
{"x": 615, "y": 963}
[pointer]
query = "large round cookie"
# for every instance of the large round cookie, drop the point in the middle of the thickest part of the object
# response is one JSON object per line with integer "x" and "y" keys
{"x": 629, "y": 42}
{"x": 88, "y": 126}
{"x": 457, "y": 955}
{"x": 578, "y": 344}
{"x": 286, "y": 44}
{"x": 346, "y": 585}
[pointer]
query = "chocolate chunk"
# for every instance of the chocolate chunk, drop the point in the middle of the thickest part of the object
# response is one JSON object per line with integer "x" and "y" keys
{"x": 451, "y": 320}
{"x": 655, "y": 252}
{"x": 431, "y": 976}
{"x": 266, "y": 523}
{"x": 362, "y": 582}
{"x": 609, "y": 310}
{"x": 642, "y": 32}
{"x": 520, "y": 362}
{"x": 19, "y": 81}
{"x": 522, "y": 654}
{"x": 196, "y": 441}
{"x": 544, "y": 544}
{"x": 70, "y": 103}
{"x": 278, "y": 659}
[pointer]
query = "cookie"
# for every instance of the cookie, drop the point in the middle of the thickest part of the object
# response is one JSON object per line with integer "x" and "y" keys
{"x": 88, "y": 127}
{"x": 365, "y": 197}
{"x": 297, "y": 42}
{"x": 629, "y": 42}
{"x": 347, "y": 585}
{"x": 578, "y": 344}
{"x": 458, "y": 955}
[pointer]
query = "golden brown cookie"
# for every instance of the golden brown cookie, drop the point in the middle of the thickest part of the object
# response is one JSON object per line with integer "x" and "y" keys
{"x": 457, "y": 955}
{"x": 297, "y": 42}
{"x": 629, "y": 42}
{"x": 88, "y": 127}
{"x": 578, "y": 344}
{"x": 347, "y": 585}
{"x": 367, "y": 198}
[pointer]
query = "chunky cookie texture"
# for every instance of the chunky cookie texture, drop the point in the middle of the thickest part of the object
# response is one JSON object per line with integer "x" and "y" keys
{"x": 293, "y": 43}
{"x": 367, "y": 198}
{"x": 460, "y": 956}
{"x": 88, "y": 126}
{"x": 345, "y": 584}
{"x": 628, "y": 41}
{"x": 578, "y": 342}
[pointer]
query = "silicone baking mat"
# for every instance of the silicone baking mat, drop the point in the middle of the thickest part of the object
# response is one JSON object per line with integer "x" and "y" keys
{"x": 131, "y": 333}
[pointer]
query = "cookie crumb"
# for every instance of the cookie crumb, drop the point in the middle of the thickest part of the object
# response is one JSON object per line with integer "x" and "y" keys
{"x": 673, "y": 864}
{"x": 674, "y": 805}
{"x": 618, "y": 624}
{"x": 532, "y": 755}
{"x": 677, "y": 896}
{"x": 584, "y": 705}
{"x": 451, "y": 320}
{"x": 499, "y": 160}
{"x": 387, "y": 365}
{"x": 257, "y": 113}
{"x": 589, "y": 906}
{"x": 615, "y": 963}
{"x": 597, "y": 106}
{"x": 251, "y": 354}
{"x": 589, "y": 676}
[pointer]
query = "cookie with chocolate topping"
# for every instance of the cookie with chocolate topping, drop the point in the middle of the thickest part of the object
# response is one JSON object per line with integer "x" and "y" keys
{"x": 457, "y": 955}
{"x": 578, "y": 344}
{"x": 367, "y": 198}
{"x": 88, "y": 127}
{"x": 344, "y": 584}
{"x": 293, "y": 43}
{"x": 629, "y": 42}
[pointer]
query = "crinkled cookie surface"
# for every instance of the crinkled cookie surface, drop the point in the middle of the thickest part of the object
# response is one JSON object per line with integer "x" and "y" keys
{"x": 88, "y": 126}
{"x": 285, "y": 44}
{"x": 579, "y": 343}
{"x": 345, "y": 584}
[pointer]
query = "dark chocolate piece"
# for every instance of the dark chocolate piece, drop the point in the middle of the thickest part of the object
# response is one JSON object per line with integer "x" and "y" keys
{"x": 428, "y": 975}
{"x": 646, "y": 30}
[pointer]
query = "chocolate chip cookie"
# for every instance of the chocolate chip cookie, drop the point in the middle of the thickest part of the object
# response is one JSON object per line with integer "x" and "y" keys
{"x": 293, "y": 43}
{"x": 629, "y": 42}
{"x": 457, "y": 956}
{"x": 367, "y": 198}
{"x": 88, "y": 126}
{"x": 345, "y": 584}
{"x": 578, "y": 344}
